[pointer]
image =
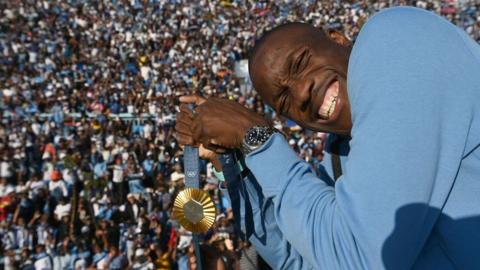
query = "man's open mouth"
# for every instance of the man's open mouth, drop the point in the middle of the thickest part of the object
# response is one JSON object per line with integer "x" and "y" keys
{"x": 329, "y": 101}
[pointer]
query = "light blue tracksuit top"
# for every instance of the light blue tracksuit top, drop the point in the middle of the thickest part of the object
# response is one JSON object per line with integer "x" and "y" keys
{"x": 409, "y": 196}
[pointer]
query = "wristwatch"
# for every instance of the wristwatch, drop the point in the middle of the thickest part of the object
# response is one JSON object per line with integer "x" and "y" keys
{"x": 255, "y": 137}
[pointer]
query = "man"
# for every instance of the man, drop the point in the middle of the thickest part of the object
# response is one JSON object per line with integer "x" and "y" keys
{"x": 407, "y": 198}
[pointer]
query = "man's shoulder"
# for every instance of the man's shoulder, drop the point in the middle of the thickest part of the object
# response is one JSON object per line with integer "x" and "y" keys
{"x": 400, "y": 18}
{"x": 405, "y": 33}
{"x": 404, "y": 53}
{"x": 406, "y": 26}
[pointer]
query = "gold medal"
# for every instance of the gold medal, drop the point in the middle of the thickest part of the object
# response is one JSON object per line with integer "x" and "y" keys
{"x": 194, "y": 210}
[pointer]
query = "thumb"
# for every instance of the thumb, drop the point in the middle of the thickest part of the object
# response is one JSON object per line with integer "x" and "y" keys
{"x": 197, "y": 100}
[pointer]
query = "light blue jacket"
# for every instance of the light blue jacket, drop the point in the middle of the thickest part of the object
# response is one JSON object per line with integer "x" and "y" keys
{"x": 409, "y": 197}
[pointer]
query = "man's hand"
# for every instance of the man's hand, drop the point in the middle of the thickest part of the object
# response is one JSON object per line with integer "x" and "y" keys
{"x": 217, "y": 123}
{"x": 211, "y": 156}
{"x": 184, "y": 135}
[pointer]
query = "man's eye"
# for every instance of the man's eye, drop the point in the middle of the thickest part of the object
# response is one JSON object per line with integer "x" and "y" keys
{"x": 302, "y": 61}
{"x": 283, "y": 104}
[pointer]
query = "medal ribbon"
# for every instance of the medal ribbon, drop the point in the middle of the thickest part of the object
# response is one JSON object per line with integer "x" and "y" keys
{"x": 192, "y": 180}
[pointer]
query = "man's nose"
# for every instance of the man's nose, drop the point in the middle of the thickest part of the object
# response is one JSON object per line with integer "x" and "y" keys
{"x": 302, "y": 94}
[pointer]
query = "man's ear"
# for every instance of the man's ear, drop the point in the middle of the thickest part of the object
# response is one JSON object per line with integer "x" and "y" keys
{"x": 339, "y": 38}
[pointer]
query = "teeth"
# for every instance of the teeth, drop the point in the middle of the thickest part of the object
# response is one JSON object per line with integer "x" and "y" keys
{"x": 332, "y": 106}
{"x": 330, "y": 101}
{"x": 328, "y": 107}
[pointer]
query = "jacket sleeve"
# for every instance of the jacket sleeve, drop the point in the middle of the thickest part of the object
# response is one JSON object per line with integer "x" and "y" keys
{"x": 255, "y": 219}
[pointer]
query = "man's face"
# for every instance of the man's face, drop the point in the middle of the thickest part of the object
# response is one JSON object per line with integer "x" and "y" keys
{"x": 303, "y": 77}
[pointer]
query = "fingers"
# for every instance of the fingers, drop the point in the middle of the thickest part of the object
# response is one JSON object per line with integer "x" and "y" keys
{"x": 197, "y": 129}
{"x": 206, "y": 154}
{"x": 208, "y": 125}
{"x": 185, "y": 117}
{"x": 193, "y": 99}
{"x": 185, "y": 139}
{"x": 214, "y": 147}
{"x": 186, "y": 110}
{"x": 183, "y": 127}
{"x": 198, "y": 132}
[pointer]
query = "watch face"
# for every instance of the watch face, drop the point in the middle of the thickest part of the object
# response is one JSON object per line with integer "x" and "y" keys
{"x": 253, "y": 136}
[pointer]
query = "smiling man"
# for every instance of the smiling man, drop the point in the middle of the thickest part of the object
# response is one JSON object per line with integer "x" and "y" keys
{"x": 405, "y": 102}
{"x": 302, "y": 73}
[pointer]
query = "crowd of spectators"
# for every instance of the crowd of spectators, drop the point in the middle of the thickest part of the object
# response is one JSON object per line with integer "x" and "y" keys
{"x": 89, "y": 164}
